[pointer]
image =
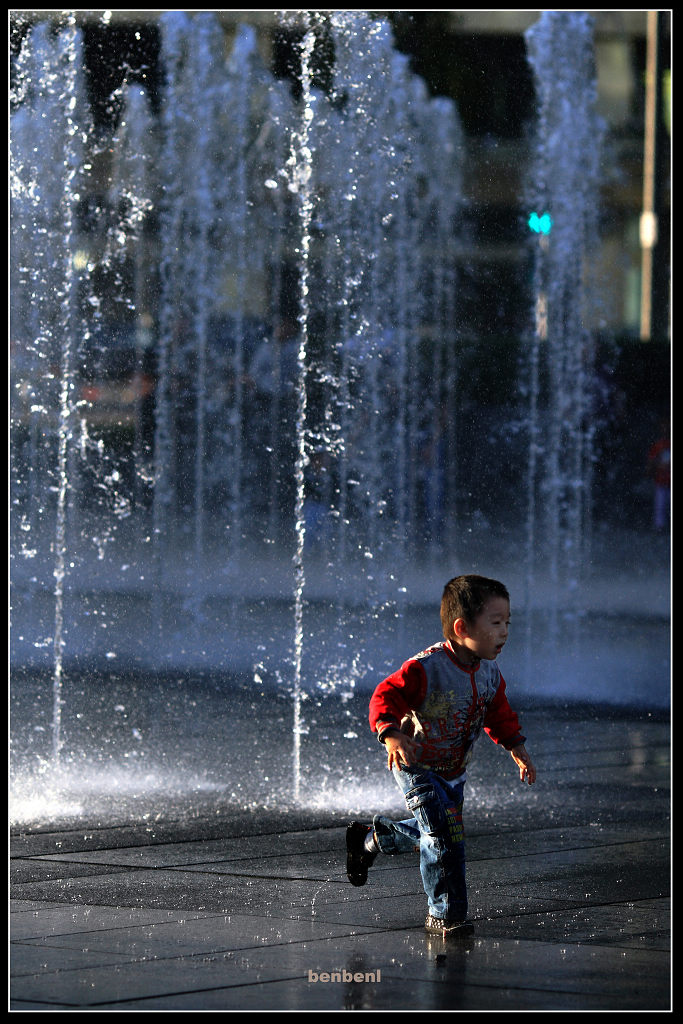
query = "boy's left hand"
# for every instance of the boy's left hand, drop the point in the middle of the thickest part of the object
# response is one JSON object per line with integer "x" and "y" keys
{"x": 524, "y": 763}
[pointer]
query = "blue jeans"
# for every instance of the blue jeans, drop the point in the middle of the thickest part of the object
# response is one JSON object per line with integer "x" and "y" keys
{"x": 435, "y": 829}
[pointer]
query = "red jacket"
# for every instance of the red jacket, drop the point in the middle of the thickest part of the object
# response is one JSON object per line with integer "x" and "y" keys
{"x": 444, "y": 704}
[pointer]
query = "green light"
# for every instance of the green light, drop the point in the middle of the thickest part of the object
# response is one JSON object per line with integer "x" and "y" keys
{"x": 540, "y": 224}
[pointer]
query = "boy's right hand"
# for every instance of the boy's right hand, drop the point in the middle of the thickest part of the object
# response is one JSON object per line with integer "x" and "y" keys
{"x": 401, "y": 749}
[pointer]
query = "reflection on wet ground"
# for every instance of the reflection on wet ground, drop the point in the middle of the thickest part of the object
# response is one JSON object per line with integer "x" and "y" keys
{"x": 180, "y": 876}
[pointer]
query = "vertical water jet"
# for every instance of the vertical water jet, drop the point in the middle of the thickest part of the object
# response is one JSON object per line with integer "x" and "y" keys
{"x": 52, "y": 125}
{"x": 299, "y": 168}
{"x": 564, "y": 196}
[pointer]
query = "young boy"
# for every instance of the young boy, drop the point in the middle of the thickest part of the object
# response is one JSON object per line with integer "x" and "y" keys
{"x": 428, "y": 715}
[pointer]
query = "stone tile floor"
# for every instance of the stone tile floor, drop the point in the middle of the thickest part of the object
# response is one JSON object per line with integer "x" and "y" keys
{"x": 568, "y": 881}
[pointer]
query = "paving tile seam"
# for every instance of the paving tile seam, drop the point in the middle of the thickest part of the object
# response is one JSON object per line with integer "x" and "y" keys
{"x": 197, "y": 866}
{"x": 190, "y": 869}
{"x": 46, "y": 905}
{"x": 180, "y": 870}
{"x": 484, "y": 922}
{"x": 348, "y": 931}
{"x": 572, "y": 904}
{"x": 195, "y": 993}
{"x": 47, "y": 1003}
{"x": 369, "y": 896}
{"x": 43, "y": 942}
{"x": 198, "y": 992}
{"x": 478, "y": 831}
{"x": 600, "y": 944}
{"x": 231, "y": 952}
{"x": 59, "y": 858}
{"x": 492, "y": 983}
{"x": 635, "y": 901}
{"x": 121, "y": 960}
{"x": 112, "y": 869}
{"x": 163, "y": 824}
{"x": 569, "y": 903}
{"x": 475, "y": 832}
{"x": 126, "y": 960}
{"x": 524, "y": 854}
{"x": 648, "y": 954}
{"x": 339, "y": 825}
{"x": 495, "y": 922}
{"x": 515, "y": 914}
{"x": 321, "y": 917}
{"x": 502, "y": 987}
{"x": 189, "y": 915}
{"x": 269, "y": 878}
{"x": 226, "y": 953}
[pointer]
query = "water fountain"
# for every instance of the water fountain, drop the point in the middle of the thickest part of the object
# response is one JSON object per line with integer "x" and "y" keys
{"x": 253, "y": 554}
{"x": 565, "y": 190}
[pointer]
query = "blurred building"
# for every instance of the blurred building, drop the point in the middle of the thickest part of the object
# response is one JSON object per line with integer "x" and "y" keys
{"x": 478, "y": 59}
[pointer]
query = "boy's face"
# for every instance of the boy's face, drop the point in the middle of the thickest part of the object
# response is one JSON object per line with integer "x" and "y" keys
{"x": 486, "y": 636}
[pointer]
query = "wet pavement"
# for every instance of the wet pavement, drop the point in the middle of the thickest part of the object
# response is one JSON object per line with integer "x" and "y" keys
{"x": 209, "y": 906}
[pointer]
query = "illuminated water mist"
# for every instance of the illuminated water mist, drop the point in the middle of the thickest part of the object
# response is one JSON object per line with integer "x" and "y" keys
{"x": 238, "y": 423}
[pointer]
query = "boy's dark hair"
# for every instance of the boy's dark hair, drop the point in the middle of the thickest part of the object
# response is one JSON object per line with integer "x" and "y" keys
{"x": 464, "y": 597}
